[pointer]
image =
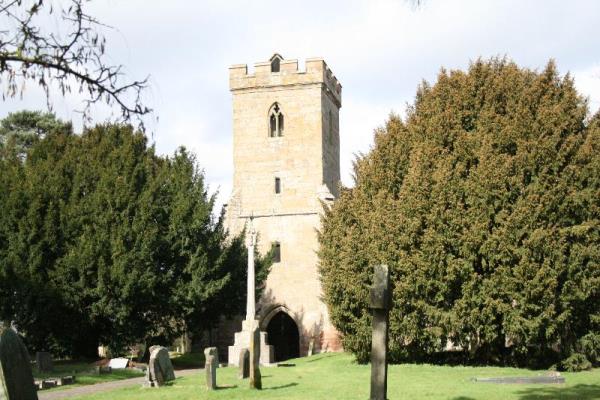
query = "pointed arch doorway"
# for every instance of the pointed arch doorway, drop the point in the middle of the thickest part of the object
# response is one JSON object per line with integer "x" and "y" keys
{"x": 283, "y": 335}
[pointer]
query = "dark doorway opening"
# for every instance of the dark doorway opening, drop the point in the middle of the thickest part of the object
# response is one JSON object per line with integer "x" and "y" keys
{"x": 283, "y": 335}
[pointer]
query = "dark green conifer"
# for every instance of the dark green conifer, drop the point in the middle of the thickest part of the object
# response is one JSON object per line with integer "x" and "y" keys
{"x": 485, "y": 203}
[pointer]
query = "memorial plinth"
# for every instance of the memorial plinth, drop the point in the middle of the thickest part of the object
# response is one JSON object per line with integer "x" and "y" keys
{"x": 242, "y": 338}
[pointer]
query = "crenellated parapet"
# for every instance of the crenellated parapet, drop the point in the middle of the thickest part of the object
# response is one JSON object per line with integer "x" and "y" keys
{"x": 285, "y": 73}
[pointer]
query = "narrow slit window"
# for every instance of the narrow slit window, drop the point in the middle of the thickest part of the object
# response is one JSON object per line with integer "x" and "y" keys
{"x": 277, "y": 185}
{"x": 276, "y": 248}
{"x": 280, "y": 124}
{"x": 273, "y": 126}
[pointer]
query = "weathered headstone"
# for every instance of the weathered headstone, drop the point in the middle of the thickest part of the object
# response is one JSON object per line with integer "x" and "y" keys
{"x": 16, "y": 378}
{"x": 211, "y": 372}
{"x": 43, "y": 361}
{"x": 255, "y": 378}
{"x": 212, "y": 351}
{"x": 380, "y": 304}
{"x": 160, "y": 369}
{"x": 244, "y": 364}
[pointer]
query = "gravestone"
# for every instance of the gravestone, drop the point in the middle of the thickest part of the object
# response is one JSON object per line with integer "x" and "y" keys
{"x": 212, "y": 351}
{"x": 43, "y": 361}
{"x": 380, "y": 303}
{"x": 160, "y": 369}
{"x": 211, "y": 372}
{"x": 16, "y": 378}
{"x": 255, "y": 378}
{"x": 244, "y": 364}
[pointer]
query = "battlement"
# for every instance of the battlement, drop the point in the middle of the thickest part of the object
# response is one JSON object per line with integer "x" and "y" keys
{"x": 285, "y": 74}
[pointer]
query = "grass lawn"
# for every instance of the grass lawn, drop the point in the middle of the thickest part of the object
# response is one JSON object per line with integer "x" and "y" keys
{"x": 336, "y": 376}
{"x": 84, "y": 374}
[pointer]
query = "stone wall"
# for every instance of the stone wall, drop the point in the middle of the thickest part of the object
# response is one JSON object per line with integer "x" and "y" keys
{"x": 306, "y": 161}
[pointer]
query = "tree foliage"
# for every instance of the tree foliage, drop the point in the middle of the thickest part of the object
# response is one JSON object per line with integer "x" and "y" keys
{"x": 19, "y": 131}
{"x": 103, "y": 241}
{"x": 69, "y": 54}
{"x": 485, "y": 203}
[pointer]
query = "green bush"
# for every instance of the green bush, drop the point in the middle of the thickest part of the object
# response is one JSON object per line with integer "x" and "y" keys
{"x": 485, "y": 203}
{"x": 590, "y": 347}
{"x": 576, "y": 362}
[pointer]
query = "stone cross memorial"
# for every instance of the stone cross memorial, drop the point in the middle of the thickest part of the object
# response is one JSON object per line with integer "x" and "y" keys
{"x": 380, "y": 304}
{"x": 242, "y": 339}
{"x": 16, "y": 378}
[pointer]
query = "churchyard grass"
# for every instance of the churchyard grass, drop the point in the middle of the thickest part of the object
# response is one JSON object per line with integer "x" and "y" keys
{"x": 337, "y": 376}
{"x": 84, "y": 374}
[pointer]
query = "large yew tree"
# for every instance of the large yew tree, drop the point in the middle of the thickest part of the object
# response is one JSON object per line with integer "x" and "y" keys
{"x": 485, "y": 203}
{"x": 104, "y": 241}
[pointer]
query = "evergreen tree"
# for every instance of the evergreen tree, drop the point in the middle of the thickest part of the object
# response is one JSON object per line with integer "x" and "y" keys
{"x": 485, "y": 203}
{"x": 105, "y": 242}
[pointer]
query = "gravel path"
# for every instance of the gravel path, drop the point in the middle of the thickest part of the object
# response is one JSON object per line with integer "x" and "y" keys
{"x": 102, "y": 387}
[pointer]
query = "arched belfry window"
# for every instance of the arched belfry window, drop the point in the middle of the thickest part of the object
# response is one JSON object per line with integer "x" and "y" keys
{"x": 275, "y": 121}
{"x": 275, "y": 62}
{"x": 275, "y": 65}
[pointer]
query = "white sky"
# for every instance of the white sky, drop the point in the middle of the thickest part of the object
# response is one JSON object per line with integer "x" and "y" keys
{"x": 379, "y": 51}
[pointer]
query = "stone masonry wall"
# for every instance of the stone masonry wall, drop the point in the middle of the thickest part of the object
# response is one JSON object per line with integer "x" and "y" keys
{"x": 306, "y": 160}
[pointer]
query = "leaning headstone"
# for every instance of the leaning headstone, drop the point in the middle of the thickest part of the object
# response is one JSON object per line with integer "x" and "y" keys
{"x": 380, "y": 304}
{"x": 244, "y": 364}
{"x": 211, "y": 372}
{"x": 16, "y": 378}
{"x": 43, "y": 361}
{"x": 255, "y": 378}
{"x": 160, "y": 369}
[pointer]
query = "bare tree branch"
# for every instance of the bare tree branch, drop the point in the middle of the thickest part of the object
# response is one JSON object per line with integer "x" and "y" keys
{"x": 74, "y": 55}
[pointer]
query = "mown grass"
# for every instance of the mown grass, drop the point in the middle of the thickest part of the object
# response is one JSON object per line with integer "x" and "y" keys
{"x": 337, "y": 376}
{"x": 84, "y": 374}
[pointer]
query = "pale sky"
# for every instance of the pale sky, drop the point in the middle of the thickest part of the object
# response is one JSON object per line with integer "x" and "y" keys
{"x": 379, "y": 50}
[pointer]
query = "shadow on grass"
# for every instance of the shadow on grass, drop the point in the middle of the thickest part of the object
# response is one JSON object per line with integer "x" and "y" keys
{"x": 463, "y": 398}
{"x": 282, "y": 386}
{"x": 225, "y": 387}
{"x": 319, "y": 358}
{"x": 577, "y": 392}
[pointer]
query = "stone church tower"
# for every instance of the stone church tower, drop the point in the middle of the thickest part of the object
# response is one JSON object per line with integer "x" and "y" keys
{"x": 286, "y": 154}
